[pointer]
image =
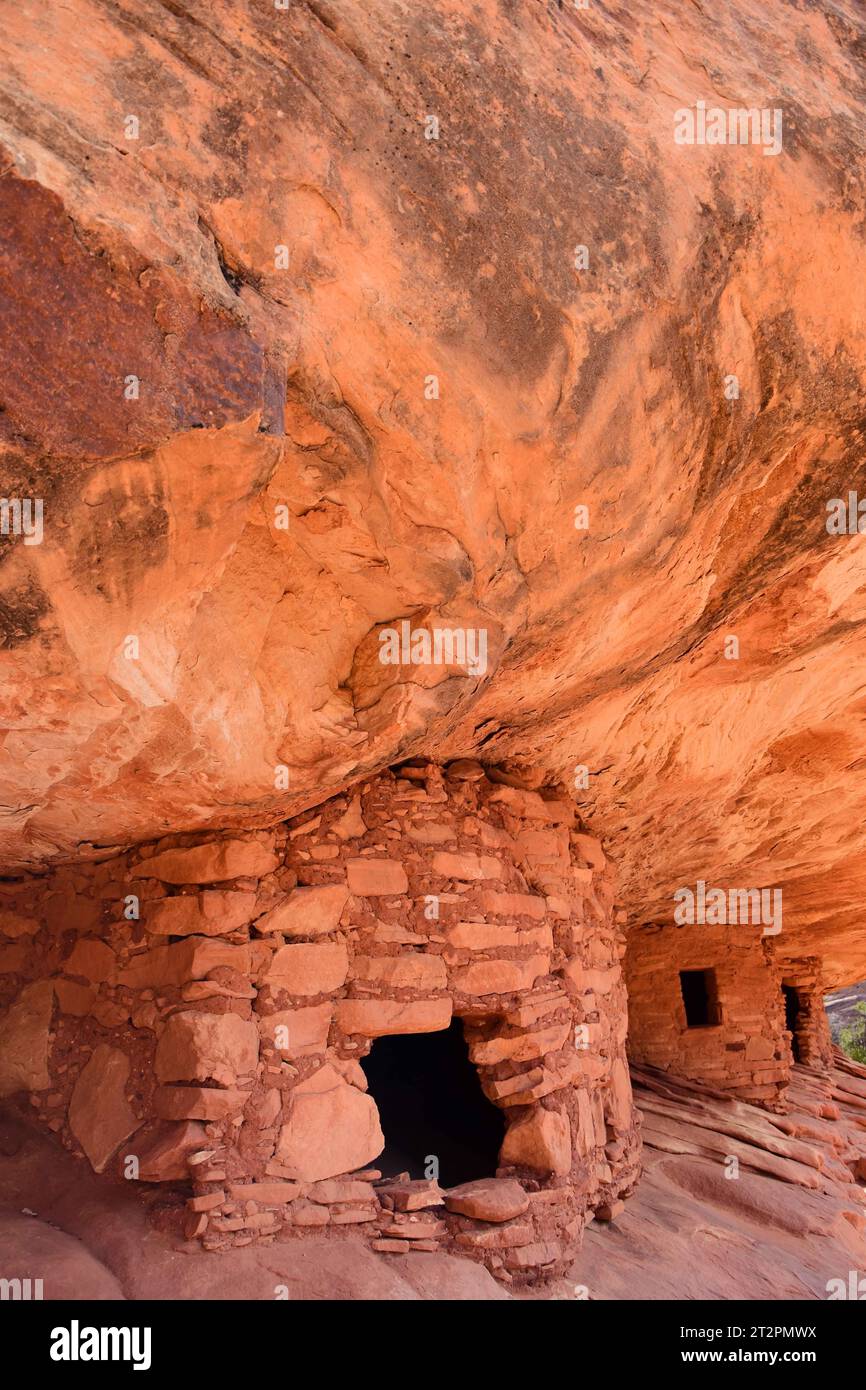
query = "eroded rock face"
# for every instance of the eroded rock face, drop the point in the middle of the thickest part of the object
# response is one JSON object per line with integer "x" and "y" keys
{"x": 246, "y": 307}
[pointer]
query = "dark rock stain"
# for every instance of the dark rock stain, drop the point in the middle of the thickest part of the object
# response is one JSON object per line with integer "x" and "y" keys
{"x": 102, "y": 321}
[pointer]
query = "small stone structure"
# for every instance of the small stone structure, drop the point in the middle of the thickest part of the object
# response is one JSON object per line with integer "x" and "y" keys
{"x": 807, "y": 1023}
{"x": 708, "y": 1003}
{"x": 196, "y": 1012}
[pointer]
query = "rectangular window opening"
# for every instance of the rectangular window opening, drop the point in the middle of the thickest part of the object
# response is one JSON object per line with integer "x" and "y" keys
{"x": 701, "y": 998}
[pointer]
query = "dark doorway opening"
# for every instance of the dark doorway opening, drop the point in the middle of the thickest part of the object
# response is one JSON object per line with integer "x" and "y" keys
{"x": 700, "y": 997}
{"x": 792, "y": 1017}
{"x": 431, "y": 1103}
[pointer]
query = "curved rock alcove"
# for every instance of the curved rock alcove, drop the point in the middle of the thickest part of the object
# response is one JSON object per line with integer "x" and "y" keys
{"x": 433, "y": 609}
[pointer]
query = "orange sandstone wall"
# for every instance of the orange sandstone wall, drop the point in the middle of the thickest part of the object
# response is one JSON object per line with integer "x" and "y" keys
{"x": 194, "y": 1012}
{"x": 747, "y": 1051}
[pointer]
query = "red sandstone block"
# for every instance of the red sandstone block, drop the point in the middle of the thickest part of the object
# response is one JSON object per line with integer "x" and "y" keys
{"x": 549, "y": 1082}
{"x": 332, "y": 1127}
{"x": 307, "y": 911}
{"x": 376, "y": 877}
{"x": 540, "y": 1141}
{"x": 257, "y": 1221}
{"x": 581, "y": 978}
{"x": 334, "y": 1191}
{"x": 413, "y": 1195}
{"x": 305, "y": 1214}
{"x": 530, "y": 1256}
{"x": 377, "y": 1018}
{"x": 192, "y": 959}
{"x": 521, "y": 1048}
{"x": 269, "y": 1194}
{"x": 306, "y": 828}
{"x": 427, "y": 833}
{"x": 609, "y": 1211}
{"x": 15, "y": 924}
{"x": 163, "y": 1156}
{"x": 522, "y": 803}
{"x": 493, "y": 837}
{"x": 523, "y": 1015}
{"x": 309, "y": 967}
{"x": 92, "y": 959}
{"x": 482, "y": 936}
{"x": 512, "y": 904}
{"x": 466, "y": 866}
{"x": 207, "y": 1202}
{"x": 13, "y": 959}
{"x": 72, "y": 998}
{"x": 499, "y": 1238}
{"x": 215, "y": 912}
{"x": 198, "y": 1046}
{"x": 297, "y": 1032}
{"x": 413, "y": 1230}
{"x": 488, "y": 1199}
{"x": 500, "y": 976}
{"x": 407, "y": 971}
{"x": 198, "y": 1102}
{"x": 213, "y": 862}
{"x": 545, "y": 846}
{"x": 515, "y": 1085}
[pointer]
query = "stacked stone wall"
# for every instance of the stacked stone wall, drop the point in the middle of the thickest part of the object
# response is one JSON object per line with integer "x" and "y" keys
{"x": 747, "y": 1050}
{"x": 195, "y": 1012}
{"x": 814, "y": 1044}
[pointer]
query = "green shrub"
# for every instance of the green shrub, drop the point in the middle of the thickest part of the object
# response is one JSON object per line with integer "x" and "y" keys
{"x": 852, "y": 1038}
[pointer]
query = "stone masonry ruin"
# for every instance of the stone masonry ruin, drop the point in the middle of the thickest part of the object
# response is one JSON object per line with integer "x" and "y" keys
{"x": 401, "y": 1013}
{"x": 724, "y": 1006}
{"x": 202, "y": 1013}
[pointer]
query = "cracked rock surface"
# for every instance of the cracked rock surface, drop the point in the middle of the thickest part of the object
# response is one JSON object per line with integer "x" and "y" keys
{"x": 218, "y": 346}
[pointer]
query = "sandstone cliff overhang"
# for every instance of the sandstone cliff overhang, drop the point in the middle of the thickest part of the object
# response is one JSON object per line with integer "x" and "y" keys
{"x": 287, "y": 364}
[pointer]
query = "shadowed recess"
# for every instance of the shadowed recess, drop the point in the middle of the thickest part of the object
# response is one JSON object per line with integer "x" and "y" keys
{"x": 431, "y": 1105}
